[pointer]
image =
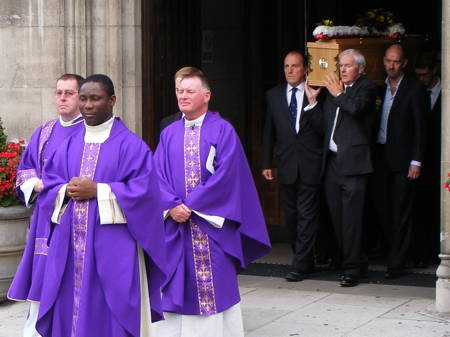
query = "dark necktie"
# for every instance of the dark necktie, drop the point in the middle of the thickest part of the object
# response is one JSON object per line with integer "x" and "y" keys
{"x": 430, "y": 102}
{"x": 293, "y": 107}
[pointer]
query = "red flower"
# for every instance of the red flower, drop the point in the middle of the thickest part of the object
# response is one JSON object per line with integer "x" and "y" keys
{"x": 9, "y": 160}
{"x": 447, "y": 183}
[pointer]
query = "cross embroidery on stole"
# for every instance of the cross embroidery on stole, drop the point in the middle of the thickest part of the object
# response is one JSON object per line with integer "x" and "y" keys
{"x": 80, "y": 226}
{"x": 200, "y": 241}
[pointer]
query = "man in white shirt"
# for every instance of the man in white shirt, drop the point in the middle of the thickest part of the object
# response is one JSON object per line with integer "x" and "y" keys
{"x": 297, "y": 135}
{"x": 398, "y": 156}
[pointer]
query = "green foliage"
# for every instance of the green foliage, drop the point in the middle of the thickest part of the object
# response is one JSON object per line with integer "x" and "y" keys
{"x": 3, "y": 136}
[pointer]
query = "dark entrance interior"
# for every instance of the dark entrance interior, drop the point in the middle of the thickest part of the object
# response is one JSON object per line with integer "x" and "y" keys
{"x": 240, "y": 46}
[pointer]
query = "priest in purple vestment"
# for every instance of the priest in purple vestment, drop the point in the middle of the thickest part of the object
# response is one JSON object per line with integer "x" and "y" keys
{"x": 43, "y": 143}
{"x": 106, "y": 253}
{"x": 214, "y": 226}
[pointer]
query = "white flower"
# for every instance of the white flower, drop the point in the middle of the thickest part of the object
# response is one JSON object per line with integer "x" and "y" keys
{"x": 396, "y": 28}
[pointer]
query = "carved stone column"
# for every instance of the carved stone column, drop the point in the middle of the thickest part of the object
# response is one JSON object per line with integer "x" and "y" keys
{"x": 44, "y": 39}
{"x": 32, "y": 58}
{"x": 114, "y": 48}
{"x": 443, "y": 272}
{"x": 76, "y": 35}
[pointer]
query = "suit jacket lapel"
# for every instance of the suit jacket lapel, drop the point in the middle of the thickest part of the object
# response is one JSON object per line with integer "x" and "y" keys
{"x": 348, "y": 92}
{"x": 303, "y": 119}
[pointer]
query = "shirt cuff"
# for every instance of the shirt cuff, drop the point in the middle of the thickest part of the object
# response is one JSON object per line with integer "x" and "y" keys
{"x": 416, "y": 163}
{"x": 58, "y": 211}
{"x": 215, "y": 221}
{"x": 309, "y": 106}
{"x": 27, "y": 189}
{"x": 108, "y": 207}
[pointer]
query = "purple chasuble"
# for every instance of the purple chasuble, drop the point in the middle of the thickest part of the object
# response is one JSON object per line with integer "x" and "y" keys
{"x": 91, "y": 285}
{"x": 202, "y": 260}
{"x": 45, "y": 140}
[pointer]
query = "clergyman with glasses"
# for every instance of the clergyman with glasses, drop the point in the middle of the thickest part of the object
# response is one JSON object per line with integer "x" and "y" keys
{"x": 27, "y": 282}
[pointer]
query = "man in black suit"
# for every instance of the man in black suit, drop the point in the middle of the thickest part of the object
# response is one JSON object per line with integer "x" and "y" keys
{"x": 166, "y": 121}
{"x": 398, "y": 155}
{"x": 298, "y": 136}
{"x": 348, "y": 117}
{"x": 427, "y": 222}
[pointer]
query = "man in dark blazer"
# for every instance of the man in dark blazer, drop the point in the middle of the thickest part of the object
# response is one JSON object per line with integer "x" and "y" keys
{"x": 297, "y": 135}
{"x": 166, "y": 121}
{"x": 348, "y": 117}
{"x": 398, "y": 155}
{"x": 427, "y": 221}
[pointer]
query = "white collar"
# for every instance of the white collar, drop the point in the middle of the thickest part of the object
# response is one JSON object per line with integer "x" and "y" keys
{"x": 98, "y": 133}
{"x": 437, "y": 86}
{"x": 300, "y": 87}
{"x": 69, "y": 123}
{"x": 398, "y": 83}
{"x": 195, "y": 122}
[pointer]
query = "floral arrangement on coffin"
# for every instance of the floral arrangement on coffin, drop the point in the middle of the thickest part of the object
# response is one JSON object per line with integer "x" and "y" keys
{"x": 10, "y": 153}
{"x": 375, "y": 22}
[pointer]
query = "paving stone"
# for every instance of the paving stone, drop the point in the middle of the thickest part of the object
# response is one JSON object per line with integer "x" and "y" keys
{"x": 401, "y": 328}
{"x": 280, "y": 299}
{"x": 12, "y": 318}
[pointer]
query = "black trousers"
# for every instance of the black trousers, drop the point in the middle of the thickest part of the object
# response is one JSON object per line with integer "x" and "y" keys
{"x": 346, "y": 199}
{"x": 425, "y": 245}
{"x": 393, "y": 199}
{"x": 301, "y": 209}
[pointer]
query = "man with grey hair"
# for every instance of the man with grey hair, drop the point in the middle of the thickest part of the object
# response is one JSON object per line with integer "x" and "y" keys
{"x": 349, "y": 110}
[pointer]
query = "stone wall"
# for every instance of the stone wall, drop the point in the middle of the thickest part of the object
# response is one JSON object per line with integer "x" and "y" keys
{"x": 43, "y": 39}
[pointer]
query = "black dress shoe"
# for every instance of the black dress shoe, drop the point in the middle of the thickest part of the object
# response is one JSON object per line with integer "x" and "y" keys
{"x": 349, "y": 281}
{"x": 294, "y": 276}
{"x": 393, "y": 273}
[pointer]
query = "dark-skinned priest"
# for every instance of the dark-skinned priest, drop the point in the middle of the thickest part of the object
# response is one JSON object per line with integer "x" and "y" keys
{"x": 106, "y": 252}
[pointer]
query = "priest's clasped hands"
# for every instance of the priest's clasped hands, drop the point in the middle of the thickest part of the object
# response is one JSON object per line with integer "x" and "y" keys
{"x": 180, "y": 213}
{"x": 81, "y": 188}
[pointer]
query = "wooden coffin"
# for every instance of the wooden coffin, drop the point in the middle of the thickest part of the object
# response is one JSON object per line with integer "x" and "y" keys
{"x": 323, "y": 56}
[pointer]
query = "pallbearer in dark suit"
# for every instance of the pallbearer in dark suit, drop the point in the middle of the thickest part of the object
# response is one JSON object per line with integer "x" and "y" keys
{"x": 398, "y": 155}
{"x": 427, "y": 224}
{"x": 348, "y": 115}
{"x": 297, "y": 134}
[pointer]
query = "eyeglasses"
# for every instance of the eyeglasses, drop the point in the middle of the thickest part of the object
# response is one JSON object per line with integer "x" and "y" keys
{"x": 67, "y": 93}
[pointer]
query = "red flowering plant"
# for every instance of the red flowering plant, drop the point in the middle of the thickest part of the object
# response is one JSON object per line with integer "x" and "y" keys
{"x": 447, "y": 183}
{"x": 10, "y": 153}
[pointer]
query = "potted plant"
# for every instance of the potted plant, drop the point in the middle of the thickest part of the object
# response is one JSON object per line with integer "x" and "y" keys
{"x": 14, "y": 216}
